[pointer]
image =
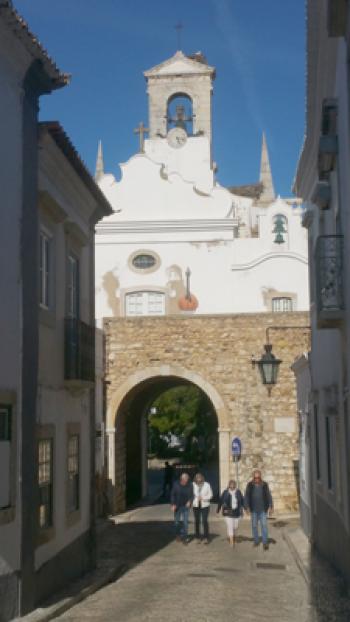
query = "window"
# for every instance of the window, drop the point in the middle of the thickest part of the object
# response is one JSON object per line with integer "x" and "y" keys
{"x": 45, "y": 480}
{"x": 5, "y": 454}
{"x": 5, "y": 423}
{"x": 282, "y": 304}
{"x": 73, "y": 473}
{"x": 44, "y": 266}
{"x": 156, "y": 303}
{"x": 73, "y": 287}
{"x": 145, "y": 303}
{"x": 143, "y": 261}
{"x": 329, "y": 116}
{"x": 329, "y": 449}
{"x": 317, "y": 444}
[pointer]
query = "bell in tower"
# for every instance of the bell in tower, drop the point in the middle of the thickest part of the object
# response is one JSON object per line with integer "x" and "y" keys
{"x": 186, "y": 83}
{"x": 183, "y": 116}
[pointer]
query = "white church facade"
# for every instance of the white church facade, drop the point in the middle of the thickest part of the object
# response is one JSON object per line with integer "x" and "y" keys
{"x": 192, "y": 279}
{"x": 178, "y": 241}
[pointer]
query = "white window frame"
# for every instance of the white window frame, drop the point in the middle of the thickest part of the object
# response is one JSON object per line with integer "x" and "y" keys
{"x": 143, "y": 304}
{"x": 279, "y": 301}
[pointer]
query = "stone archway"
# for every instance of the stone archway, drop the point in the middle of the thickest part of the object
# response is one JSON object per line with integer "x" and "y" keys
{"x": 117, "y": 413}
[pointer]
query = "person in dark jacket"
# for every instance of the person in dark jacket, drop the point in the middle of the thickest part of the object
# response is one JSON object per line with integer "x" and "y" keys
{"x": 181, "y": 500}
{"x": 258, "y": 501}
{"x": 168, "y": 478}
{"x": 231, "y": 503}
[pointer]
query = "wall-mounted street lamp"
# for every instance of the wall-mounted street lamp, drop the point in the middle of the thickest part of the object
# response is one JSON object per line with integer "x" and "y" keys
{"x": 268, "y": 367}
{"x": 268, "y": 364}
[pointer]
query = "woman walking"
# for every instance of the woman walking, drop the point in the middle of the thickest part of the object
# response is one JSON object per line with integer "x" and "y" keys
{"x": 231, "y": 502}
{"x": 202, "y": 493}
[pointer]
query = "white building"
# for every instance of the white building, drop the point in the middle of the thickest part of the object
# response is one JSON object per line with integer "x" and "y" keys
{"x": 70, "y": 204}
{"x": 49, "y": 205}
{"x": 178, "y": 241}
{"x": 26, "y": 72}
{"x": 324, "y": 183}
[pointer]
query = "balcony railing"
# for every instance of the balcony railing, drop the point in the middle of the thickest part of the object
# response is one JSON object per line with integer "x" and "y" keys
{"x": 79, "y": 352}
{"x": 329, "y": 280}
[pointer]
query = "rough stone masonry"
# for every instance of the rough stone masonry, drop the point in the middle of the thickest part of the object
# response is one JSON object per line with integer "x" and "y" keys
{"x": 214, "y": 352}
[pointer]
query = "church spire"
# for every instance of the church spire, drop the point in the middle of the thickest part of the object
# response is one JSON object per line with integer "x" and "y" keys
{"x": 99, "y": 172}
{"x": 268, "y": 193}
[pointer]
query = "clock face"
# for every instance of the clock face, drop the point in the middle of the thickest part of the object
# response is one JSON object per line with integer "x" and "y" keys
{"x": 177, "y": 137}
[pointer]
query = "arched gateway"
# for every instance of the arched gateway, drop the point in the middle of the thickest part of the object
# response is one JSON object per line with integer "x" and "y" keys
{"x": 145, "y": 356}
{"x": 127, "y": 409}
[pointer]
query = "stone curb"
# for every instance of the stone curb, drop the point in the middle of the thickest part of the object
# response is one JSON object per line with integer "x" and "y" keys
{"x": 54, "y": 611}
{"x": 297, "y": 556}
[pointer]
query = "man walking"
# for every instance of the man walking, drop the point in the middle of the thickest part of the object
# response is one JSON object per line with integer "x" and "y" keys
{"x": 181, "y": 501}
{"x": 258, "y": 501}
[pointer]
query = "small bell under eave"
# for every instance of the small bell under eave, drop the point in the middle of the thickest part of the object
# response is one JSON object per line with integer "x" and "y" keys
{"x": 279, "y": 229}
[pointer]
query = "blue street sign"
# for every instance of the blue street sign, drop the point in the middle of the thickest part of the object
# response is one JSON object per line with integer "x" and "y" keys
{"x": 236, "y": 447}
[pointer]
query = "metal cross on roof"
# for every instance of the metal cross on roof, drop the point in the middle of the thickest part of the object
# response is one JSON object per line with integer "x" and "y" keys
{"x": 179, "y": 27}
{"x": 141, "y": 130}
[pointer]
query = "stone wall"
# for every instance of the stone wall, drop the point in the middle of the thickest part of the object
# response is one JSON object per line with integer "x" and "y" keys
{"x": 218, "y": 350}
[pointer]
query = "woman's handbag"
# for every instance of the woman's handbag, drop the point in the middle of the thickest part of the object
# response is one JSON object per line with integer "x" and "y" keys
{"x": 226, "y": 511}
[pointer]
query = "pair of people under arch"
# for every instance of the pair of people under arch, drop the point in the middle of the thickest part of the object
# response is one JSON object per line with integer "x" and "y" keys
{"x": 186, "y": 494}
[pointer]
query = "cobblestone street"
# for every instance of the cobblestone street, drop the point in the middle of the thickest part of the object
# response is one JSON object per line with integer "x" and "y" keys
{"x": 164, "y": 581}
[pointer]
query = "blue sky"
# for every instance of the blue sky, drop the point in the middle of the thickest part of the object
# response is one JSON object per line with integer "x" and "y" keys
{"x": 257, "y": 47}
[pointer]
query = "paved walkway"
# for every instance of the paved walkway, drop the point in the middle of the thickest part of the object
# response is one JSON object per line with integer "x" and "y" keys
{"x": 165, "y": 581}
{"x": 144, "y": 576}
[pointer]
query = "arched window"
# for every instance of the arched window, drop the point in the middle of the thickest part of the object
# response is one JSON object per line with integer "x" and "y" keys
{"x": 180, "y": 112}
{"x": 280, "y": 229}
{"x": 145, "y": 303}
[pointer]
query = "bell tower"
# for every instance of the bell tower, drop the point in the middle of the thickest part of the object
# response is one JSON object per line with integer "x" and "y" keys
{"x": 188, "y": 80}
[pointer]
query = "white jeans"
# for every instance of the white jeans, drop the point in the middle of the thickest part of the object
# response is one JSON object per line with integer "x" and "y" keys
{"x": 231, "y": 524}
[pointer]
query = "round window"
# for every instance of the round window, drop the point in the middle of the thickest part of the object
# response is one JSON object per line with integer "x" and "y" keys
{"x": 143, "y": 261}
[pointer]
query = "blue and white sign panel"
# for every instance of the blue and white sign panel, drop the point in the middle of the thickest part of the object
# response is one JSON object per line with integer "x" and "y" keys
{"x": 236, "y": 447}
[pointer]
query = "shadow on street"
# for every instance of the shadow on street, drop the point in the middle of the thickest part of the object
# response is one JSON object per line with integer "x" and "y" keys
{"x": 134, "y": 542}
{"x": 329, "y": 596}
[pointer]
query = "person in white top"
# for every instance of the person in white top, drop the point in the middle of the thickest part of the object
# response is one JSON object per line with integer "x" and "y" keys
{"x": 202, "y": 494}
{"x": 231, "y": 503}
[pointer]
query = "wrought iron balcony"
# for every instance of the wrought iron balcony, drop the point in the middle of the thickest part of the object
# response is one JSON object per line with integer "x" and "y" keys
{"x": 329, "y": 280}
{"x": 79, "y": 351}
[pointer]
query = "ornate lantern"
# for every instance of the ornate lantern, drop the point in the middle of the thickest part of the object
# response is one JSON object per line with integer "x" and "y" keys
{"x": 268, "y": 366}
